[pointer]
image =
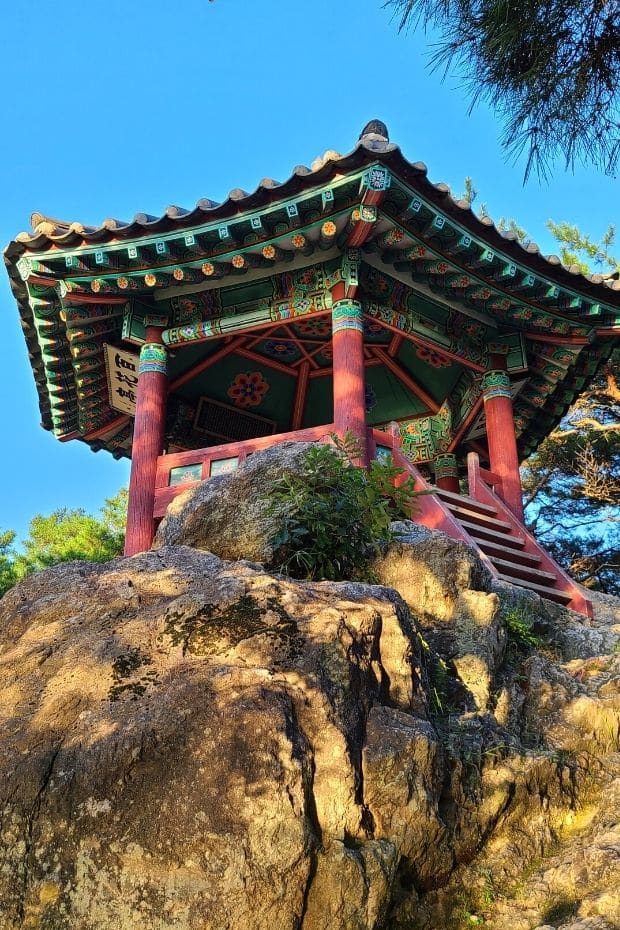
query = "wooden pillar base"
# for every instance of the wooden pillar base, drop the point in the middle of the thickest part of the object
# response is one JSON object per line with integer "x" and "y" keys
{"x": 447, "y": 472}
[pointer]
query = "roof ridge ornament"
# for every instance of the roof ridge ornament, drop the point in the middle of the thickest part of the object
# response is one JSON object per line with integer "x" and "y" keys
{"x": 375, "y": 130}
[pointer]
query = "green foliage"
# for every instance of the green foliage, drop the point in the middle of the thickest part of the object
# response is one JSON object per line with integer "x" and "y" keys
{"x": 64, "y": 535}
{"x": 73, "y": 534}
{"x": 550, "y": 68}
{"x": 519, "y": 629}
{"x": 8, "y": 575}
{"x": 336, "y": 516}
{"x": 578, "y": 248}
{"x": 572, "y": 486}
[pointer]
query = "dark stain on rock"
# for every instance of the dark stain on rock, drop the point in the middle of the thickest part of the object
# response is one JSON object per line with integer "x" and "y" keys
{"x": 212, "y": 630}
{"x": 127, "y": 677}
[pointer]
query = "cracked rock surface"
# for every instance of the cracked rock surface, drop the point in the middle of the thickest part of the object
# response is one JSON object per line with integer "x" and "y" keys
{"x": 197, "y": 744}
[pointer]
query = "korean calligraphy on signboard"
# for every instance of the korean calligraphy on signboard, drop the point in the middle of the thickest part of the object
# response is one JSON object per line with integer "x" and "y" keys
{"x": 122, "y": 368}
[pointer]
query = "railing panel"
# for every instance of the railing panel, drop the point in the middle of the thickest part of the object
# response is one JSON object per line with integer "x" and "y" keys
{"x": 206, "y": 458}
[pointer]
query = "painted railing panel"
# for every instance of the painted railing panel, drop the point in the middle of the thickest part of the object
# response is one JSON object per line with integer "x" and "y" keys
{"x": 165, "y": 492}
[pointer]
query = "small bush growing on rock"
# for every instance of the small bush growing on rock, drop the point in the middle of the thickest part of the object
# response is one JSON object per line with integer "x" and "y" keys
{"x": 337, "y": 516}
{"x": 520, "y": 632}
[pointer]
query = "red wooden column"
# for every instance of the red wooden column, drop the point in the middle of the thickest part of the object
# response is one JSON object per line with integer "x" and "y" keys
{"x": 148, "y": 440}
{"x": 348, "y": 368}
{"x": 504, "y": 458}
{"x": 447, "y": 472}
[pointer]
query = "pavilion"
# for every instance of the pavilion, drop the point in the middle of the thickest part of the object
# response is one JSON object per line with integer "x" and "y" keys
{"x": 357, "y": 296}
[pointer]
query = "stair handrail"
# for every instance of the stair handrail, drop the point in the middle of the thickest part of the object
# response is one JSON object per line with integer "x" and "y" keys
{"x": 428, "y": 509}
{"x": 476, "y": 474}
{"x": 483, "y": 492}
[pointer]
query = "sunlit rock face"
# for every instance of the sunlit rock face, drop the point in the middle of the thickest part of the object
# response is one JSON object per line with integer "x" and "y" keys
{"x": 193, "y": 744}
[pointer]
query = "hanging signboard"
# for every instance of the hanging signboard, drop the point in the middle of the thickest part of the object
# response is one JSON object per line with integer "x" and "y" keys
{"x": 122, "y": 369}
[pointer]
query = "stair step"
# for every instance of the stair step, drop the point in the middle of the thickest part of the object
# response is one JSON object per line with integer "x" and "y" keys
{"x": 480, "y": 519}
{"x": 504, "y": 551}
{"x": 465, "y": 501}
{"x": 525, "y": 572}
{"x": 551, "y": 594}
{"x": 479, "y": 533}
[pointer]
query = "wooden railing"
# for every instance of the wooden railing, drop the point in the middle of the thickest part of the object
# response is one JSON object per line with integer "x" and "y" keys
{"x": 483, "y": 488}
{"x": 428, "y": 509}
{"x": 200, "y": 464}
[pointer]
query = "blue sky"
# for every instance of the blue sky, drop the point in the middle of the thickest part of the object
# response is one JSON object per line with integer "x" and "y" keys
{"x": 113, "y": 108}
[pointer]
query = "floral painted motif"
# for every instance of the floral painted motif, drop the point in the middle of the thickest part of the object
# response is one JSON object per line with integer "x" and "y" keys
{"x": 280, "y": 348}
{"x": 319, "y": 326}
{"x": 432, "y": 358}
{"x": 372, "y": 328}
{"x": 248, "y": 389}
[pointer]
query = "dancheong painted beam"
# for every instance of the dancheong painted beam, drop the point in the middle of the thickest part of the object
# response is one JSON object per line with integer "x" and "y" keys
{"x": 356, "y": 296}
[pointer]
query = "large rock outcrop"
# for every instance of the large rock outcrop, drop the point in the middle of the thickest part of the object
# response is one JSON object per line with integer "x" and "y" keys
{"x": 192, "y": 744}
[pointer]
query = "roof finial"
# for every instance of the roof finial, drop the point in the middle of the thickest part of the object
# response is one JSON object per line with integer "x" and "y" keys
{"x": 376, "y": 130}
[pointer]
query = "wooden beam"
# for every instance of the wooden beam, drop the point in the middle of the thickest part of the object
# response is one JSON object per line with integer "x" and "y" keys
{"x": 197, "y": 369}
{"x": 406, "y": 379}
{"x": 559, "y": 340}
{"x": 111, "y": 426}
{"x": 70, "y": 298}
{"x": 301, "y": 394}
{"x": 395, "y": 344}
{"x": 267, "y": 362}
{"x": 298, "y": 344}
{"x": 175, "y": 339}
{"x": 469, "y": 419}
{"x": 264, "y": 335}
{"x": 428, "y": 344}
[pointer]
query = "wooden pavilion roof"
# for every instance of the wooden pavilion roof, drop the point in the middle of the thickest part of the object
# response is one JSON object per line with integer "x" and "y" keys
{"x": 76, "y": 285}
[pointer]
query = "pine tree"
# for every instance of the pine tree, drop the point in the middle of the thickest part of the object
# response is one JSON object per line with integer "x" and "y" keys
{"x": 62, "y": 536}
{"x": 550, "y": 68}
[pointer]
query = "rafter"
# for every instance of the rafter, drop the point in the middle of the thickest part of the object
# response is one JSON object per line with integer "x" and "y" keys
{"x": 301, "y": 395}
{"x": 268, "y": 362}
{"x": 208, "y": 362}
{"x": 467, "y": 422}
{"x": 428, "y": 344}
{"x": 298, "y": 343}
{"x": 405, "y": 378}
{"x": 395, "y": 344}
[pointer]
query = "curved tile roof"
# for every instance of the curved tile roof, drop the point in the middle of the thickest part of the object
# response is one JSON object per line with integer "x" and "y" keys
{"x": 373, "y": 145}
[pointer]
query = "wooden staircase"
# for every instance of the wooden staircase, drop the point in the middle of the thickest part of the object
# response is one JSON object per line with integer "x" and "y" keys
{"x": 485, "y": 522}
{"x": 504, "y": 548}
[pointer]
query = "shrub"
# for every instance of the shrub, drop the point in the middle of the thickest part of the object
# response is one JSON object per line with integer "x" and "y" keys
{"x": 336, "y": 516}
{"x": 519, "y": 630}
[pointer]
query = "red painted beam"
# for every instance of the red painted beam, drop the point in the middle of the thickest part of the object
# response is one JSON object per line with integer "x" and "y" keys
{"x": 111, "y": 426}
{"x": 301, "y": 394}
{"x": 197, "y": 369}
{"x": 426, "y": 343}
{"x": 395, "y": 344}
{"x": 469, "y": 419}
{"x": 267, "y": 362}
{"x": 410, "y": 383}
